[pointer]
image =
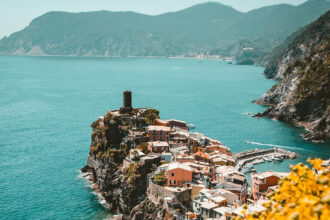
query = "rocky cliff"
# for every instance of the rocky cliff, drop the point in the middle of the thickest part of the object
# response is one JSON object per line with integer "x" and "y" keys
{"x": 303, "y": 92}
{"x": 121, "y": 181}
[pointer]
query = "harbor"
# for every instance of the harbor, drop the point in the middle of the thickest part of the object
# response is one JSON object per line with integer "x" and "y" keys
{"x": 246, "y": 159}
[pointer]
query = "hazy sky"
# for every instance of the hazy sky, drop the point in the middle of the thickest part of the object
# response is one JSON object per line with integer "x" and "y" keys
{"x": 17, "y": 14}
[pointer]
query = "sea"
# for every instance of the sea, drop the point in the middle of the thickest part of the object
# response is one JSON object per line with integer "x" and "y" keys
{"x": 47, "y": 105}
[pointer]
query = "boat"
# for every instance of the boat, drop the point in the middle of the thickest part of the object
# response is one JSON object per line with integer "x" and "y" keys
{"x": 191, "y": 126}
{"x": 277, "y": 159}
{"x": 250, "y": 171}
{"x": 267, "y": 159}
{"x": 272, "y": 158}
{"x": 248, "y": 167}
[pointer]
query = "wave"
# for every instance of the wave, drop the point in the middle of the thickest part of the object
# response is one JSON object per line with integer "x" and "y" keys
{"x": 247, "y": 113}
{"x": 92, "y": 186}
{"x": 272, "y": 145}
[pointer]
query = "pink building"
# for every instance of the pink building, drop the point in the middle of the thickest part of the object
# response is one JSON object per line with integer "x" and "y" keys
{"x": 158, "y": 133}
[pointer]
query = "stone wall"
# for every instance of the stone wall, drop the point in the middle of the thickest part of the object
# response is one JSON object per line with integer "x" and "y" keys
{"x": 156, "y": 192}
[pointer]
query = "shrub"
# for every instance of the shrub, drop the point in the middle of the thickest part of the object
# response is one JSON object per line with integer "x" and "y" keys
{"x": 160, "y": 178}
{"x": 150, "y": 115}
{"x": 304, "y": 194}
{"x": 143, "y": 147}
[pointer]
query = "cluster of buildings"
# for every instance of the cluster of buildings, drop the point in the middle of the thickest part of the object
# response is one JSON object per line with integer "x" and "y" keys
{"x": 205, "y": 170}
{"x": 199, "y": 172}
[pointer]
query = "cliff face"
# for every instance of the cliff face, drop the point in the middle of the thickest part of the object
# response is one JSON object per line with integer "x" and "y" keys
{"x": 303, "y": 93}
{"x": 122, "y": 182}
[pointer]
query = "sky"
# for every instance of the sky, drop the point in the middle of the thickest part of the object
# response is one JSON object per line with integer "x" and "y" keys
{"x": 17, "y": 14}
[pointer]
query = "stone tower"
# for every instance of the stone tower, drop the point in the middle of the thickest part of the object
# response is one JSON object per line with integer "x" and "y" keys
{"x": 127, "y": 102}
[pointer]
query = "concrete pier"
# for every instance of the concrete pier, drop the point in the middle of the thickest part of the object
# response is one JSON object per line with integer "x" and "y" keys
{"x": 250, "y": 155}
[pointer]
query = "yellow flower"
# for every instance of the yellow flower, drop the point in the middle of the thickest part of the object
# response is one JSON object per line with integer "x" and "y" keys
{"x": 304, "y": 194}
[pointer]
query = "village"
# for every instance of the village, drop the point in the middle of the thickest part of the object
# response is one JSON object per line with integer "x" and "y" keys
{"x": 198, "y": 177}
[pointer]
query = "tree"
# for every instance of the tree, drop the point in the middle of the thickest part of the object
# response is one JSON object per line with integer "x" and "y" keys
{"x": 150, "y": 115}
{"x": 160, "y": 178}
{"x": 143, "y": 147}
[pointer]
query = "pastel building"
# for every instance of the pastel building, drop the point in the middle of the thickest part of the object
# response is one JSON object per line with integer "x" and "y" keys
{"x": 158, "y": 146}
{"x": 158, "y": 133}
{"x": 179, "y": 174}
{"x": 260, "y": 182}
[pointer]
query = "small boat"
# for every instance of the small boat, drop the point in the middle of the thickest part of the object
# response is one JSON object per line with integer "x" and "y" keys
{"x": 277, "y": 159}
{"x": 248, "y": 167}
{"x": 250, "y": 171}
{"x": 191, "y": 126}
{"x": 267, "y": 159}
{"x": 272, "y": 158}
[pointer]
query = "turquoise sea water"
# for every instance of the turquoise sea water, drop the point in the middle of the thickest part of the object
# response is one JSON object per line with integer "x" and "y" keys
{"x": 48, "y": 103}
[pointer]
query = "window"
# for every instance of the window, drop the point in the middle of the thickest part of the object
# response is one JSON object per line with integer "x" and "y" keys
{"x": 172, "y": 174}
{"x": 160, "y": 138}
{"x": 172, "y": 181}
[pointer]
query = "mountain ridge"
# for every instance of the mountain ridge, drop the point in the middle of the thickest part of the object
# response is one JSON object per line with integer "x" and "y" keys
{"x": 197, "y": 29}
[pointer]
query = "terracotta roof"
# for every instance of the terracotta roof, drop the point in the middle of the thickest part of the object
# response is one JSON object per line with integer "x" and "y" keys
{"x": 201, "y": 154}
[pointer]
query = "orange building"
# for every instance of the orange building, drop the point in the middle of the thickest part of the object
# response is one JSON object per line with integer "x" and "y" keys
{"x": 262, "y": 181}
{"x": 218, "y": 147}
{"x": 178, "y": 174}
{"x": 202, "y": 156}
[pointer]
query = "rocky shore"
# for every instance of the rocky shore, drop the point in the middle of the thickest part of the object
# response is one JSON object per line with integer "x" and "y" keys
{"x": 302, "y": 96}
{"x": 122, "y": 183}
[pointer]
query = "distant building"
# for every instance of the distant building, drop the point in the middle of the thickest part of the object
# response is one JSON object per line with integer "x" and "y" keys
{"x": 206, "y": 204}
{"x": 161, "y": 122}
{"x": 260, "y": 182}
{"x": 166, "y": 157}
{"x": 178, "y": 124}
{"x": 158, "y": 133}
{"x": 158, "y": 146}
{"x": 200, "y": 156}
{"x": 178, "y": 174}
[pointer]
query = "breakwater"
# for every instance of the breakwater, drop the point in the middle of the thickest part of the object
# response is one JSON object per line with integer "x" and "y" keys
{"x": 250, "y": 155}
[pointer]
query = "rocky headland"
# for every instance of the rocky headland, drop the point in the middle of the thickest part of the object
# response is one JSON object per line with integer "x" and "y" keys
{"x": 302, "y": 95}
{"x": 122, "y": 182}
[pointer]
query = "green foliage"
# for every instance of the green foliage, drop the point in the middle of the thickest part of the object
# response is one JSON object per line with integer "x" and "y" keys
{"x": 108, "y": 116}
{"x": 150, "y": 115}
{"x": 143, "y": 147}
{"x": 94, "y": 124}
{"x": 132, "y": 173}
{"x": 160, "y": 178}
{"x": 163, "y": 162}
{"x": 201, "y": 27}
{"x": 309, "y": 35}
